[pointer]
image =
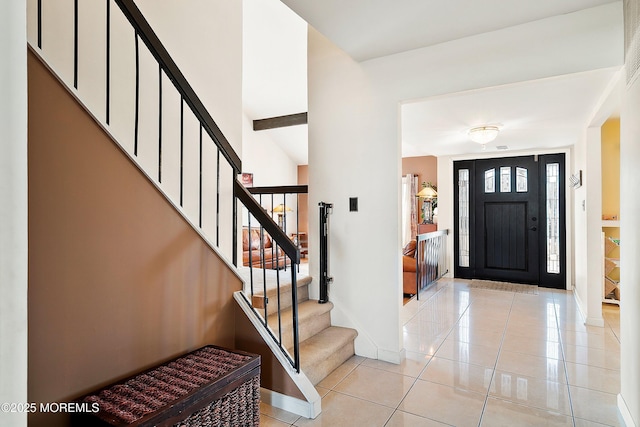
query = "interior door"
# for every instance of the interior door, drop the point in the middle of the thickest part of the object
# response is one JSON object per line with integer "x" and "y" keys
{"x": 507, "y": 219}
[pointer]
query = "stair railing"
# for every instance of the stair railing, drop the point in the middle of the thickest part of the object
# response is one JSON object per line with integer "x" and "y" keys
{"x": 284, "y": 201}
{"x": 167, "y": 69}
{"x": 325, "y": 279}
{"x": 431, "y": 252}
{"x": 284, "y": 252}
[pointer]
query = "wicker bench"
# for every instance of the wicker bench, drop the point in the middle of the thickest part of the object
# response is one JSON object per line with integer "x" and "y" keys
{"x": 211, "y": 386}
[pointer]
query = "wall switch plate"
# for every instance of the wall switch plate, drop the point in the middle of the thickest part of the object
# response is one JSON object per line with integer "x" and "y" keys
{"x": 353, "y": 204}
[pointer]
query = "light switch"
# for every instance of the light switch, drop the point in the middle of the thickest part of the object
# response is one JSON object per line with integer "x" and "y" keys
{"x": 353, "y": 204}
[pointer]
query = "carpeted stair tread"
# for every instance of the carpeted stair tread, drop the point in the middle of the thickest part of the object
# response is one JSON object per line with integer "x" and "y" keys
{"x": 312, "y": 318}
{"x": 306, "y": 310}
{"x": 271, "y": 278}
{"x": 325, "y": 351}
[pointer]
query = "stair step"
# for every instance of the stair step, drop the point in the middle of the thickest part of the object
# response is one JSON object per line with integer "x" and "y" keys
{"x": 312, "y": 318}
{"x": 325, "y": 351}
{"x": 272, "y": 289}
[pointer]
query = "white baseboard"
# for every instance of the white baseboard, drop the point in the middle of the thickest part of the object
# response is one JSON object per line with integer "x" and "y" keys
{"x": 392, "y": 356}
{"x": 591, "y": 321}
{"x": 291, "y": 404}
{"x": 625, "y": 413}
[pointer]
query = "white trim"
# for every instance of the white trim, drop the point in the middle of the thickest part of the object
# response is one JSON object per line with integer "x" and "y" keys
{"x": 390, "y": 356}
{"x": 590, "y": 321}
{"x": 309, "y": 409}
{"x": 291, "y": 404}
{"x": 624, "y": 410}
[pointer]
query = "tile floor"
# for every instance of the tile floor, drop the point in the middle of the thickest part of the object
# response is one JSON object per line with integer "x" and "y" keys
{"x": 480, "y": 357}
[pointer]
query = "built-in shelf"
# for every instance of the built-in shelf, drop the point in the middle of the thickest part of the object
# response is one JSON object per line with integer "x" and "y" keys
{"x": 610, "y": 223}
{"x": 611, "y": 265}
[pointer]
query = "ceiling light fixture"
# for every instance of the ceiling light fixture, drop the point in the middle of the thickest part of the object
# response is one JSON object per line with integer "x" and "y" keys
{"x": 483, "y": 134}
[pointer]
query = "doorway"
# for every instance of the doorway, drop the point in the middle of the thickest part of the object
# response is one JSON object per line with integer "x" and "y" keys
{"x": 510, "y": 217}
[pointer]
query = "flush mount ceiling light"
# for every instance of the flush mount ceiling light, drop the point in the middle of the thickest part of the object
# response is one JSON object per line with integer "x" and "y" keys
{"x": 483, "y": 134}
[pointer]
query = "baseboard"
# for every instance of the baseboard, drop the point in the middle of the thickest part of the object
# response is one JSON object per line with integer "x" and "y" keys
{"x": 291, "y": 404}
{"x": 395, "y": 357}
{"x": 625, "y": 413}
{"x": 590, "y": 321}
{"x": 595, "y": 321}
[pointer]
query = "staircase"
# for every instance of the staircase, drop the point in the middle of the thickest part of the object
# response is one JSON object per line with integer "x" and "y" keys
{"x": 323, "y": 347}
{"x": 302, "y": 331}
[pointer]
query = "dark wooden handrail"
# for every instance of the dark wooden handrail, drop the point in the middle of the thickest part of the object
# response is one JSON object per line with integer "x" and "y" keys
{"x": 157, "y": 49}
{"x": 281, "y": 189}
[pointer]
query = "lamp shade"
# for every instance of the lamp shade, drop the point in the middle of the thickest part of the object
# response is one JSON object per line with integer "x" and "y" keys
{"x": 483, "y": 134}
{"x": 427, "y": 193}
{"x": 281, "y": 208}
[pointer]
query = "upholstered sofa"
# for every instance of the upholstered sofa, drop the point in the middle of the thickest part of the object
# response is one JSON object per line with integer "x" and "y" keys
{"x": 409, "y": 268}
{"x": 251, "y": 249}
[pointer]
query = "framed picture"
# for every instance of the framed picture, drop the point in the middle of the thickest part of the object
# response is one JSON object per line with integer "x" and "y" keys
{"x": 247, "y": 179}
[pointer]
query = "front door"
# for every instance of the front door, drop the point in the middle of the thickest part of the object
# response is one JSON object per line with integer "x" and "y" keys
{"x": 507, "y": 219}
{"x": 510, "y": 223}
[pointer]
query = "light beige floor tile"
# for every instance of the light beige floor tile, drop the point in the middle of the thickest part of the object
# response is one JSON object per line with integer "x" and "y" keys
{"x": 458, "y": 374}
{"x": 542, "y": 394}
{"x": 374, "y": 385}
{"x": 595, "y": 406}
{"x": 427, "y": 328}
{"x": 532, "y": 366}
{"x": 278, "y": 414}
{"x": 593, "y": 377}
{"x": 266, "y": 421}
{"x": 533, "y": 331}
{"x": 468, "y": 353}
{"x": 340, "y": 410}
{"x": 423, "y": 344}
{"x": 586, "y": 423}
{"x": 592, "y": 357}
{"x": 523, "y": 344}
{"x": 501, "y": 413}
{"x": 412, "y": 365}
{"x": 439, "y": 316}
{"x": 322, "y": 391}
{"x": 340, "y": 372}
{"x": 445, "y": 404}
{"x": 496, "y": 325}
{"x": 479, "y": 311}
{"x": 404, "y": 419}
{"x": 476, "y": 335}
{"x": 584, "y": 339}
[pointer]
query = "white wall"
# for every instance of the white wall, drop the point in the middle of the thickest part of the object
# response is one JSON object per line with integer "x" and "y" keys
{"x": 205, "y": 40}
{"x": 354, "y": 152}
{"x": 354, "y": 142}
{"x": 629, "y": 399}
{"x": 13, "y": 209}
{"x": 262, "y": 157}
{"x": 204, "y": 37}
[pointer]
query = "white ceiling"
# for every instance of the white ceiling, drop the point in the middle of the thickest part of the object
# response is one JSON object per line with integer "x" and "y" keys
{"x": 546, "y": 113}
{"x": 367, "y": 29}
{"x": 533, "y": 114}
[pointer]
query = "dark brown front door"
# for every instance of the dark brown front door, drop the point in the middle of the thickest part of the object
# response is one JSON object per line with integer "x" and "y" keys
{"x": 507, "y": 219}
{"x": 510, "y": 219}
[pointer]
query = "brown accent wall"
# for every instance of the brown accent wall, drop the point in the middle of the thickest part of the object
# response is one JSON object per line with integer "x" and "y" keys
{"x": 272, "y": 375}
{"x": 118, "y": 281}
{"x": 426, "y": 167}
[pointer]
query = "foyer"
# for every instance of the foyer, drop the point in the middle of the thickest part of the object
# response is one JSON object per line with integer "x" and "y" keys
{"x": 480, "y": 357}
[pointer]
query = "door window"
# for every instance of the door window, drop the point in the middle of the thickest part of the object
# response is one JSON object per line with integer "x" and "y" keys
{"x": 463, "y": 217}
{"x": 553, "y": 218}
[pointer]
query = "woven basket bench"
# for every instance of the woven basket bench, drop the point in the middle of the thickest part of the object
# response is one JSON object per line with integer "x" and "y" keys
{"x": 211, "y": 386}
